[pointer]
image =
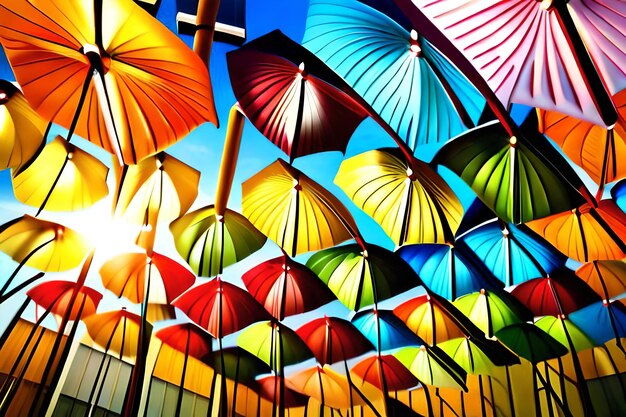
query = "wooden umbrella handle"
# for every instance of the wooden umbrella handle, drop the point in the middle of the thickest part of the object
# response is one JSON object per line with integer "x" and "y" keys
{"x": 206, "y": 17}
{"x": 229, "y": 158}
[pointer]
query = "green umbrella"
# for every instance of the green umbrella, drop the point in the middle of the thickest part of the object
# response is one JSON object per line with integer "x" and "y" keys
{"x": 432, "y": 366}
{"x": 565, "y": 332}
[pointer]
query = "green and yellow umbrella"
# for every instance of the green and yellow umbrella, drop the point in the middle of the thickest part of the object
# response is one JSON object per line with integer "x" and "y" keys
{"x": 432, "y": 366}
{"x": 21, "y": 128}
{"x": 410, "y": 201}
{"x": 63, "y": 177}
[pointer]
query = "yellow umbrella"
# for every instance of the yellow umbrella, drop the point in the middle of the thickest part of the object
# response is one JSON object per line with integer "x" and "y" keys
{"x": 295, "y": 211}
{"x": 21, "y": 129}
{"x": 410, "y": 201}
{"x": 606, "y": 278}
{"x": 63, "y": 177}
{"x": 432, "y": 366}
{"x": 115, "y": 331}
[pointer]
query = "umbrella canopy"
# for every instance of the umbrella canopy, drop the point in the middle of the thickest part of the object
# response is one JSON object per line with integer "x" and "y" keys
{"x": 530, "y": 342}
{"x": 433, "y": 366}
{"x": 269, "y": 389}
{"x": 587, "y": 233}
{"x": 411, "y": 202}
{"x": 332, "y": 339}
{"x": 594, "y": 148}
{"x": 530, "y": 52}
{"x": 55, "y": 296}
{"x": 467, "y": 355}
{"x": 294, "y": 211}
{"x": 399, "y": 73}
{"x": 512, "y": 253}
{"x": 128, "y": 85}
{"x": 41, "y": 244}
{"x": 239, "y": 365}
{"x": 21, "y": 128}
{"x": 397, "y": 376}
{"x": 291, "y": 97}
{"x": 115, "y": 331}
{"x": 491, "y": 311}
{"x": 129, "y": 275}
{"x": 432, "y": 321}
{"x": 618, "y": 192}
{"x": 325, "y": 385}
{"x": 563, "y": 294}
{"x": 384, "y": 330}
{"x": 63, "y": 177}
{"x": 362, "y": 276}
{"x": 563, "y": 330}
{"x": 285, "y": 287}
{"x": 448, "y": 270}
{"x": 275, "y": 344}
{"x": 187, "y": 338}
{"x": 141, "y": 189}
{"x": 220, "y": 307}
{"x": 210, "y": 242}
{"x": 602, "y": 321}
{"x": 510, "y": 176}
{"x": 606, "y": 278}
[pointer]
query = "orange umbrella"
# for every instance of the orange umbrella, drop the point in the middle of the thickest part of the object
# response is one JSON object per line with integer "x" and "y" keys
{"x": 127, "y": 84}
{"x": 21, "y": 128}
{"x": 607, "y": 278}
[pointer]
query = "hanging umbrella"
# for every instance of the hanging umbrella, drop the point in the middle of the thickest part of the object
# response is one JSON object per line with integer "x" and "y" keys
{"x": 606, "y": 278}
{"x": 532, "y": 53}
{"x": 107, "y": 83}
{"x": 21, "y": 128}
{"x": 63, "y": 177}
{"x": 411, "y": 202}
{"x": 602, "y": 321}
{"x": 384, "y": 330}
{"x": 397, "y": 376}
{"x": 563, "y": 293}
{"x": 448, "y": 270}
{"x": 565, "y": 332}
{"x": 214, "y": 237}
{"x": 491, "y": 311}
{"x": 361, "y": 276}
{"x": 432, "y": 366}
{"x": 587, "y": 233}
{"x": 40, "y": 244}
{"x": 55, "y": 297}
{"x": 295, "y": 211}
{"x": 509, "y": 175}
{"x": 512, "y": 253}
{"x": 291, "y": 97}
{"x": 618, "y": 192}
{"x": 413, "y": 87}
{"x": 268, "y": 389}
{"x": 594, "y": 148}
{"x": 285, "y": 287}
{"x": 191, "y": 340}
{"x": 239, "y": 365}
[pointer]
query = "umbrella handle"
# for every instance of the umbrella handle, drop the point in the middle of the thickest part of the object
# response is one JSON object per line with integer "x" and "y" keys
{"x": 229, "y": 158}
{"x": 206, "y": 16}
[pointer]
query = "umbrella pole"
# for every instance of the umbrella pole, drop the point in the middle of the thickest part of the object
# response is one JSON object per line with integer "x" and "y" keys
{"x": 545, "y": 390}
{"x": 463, "y": 414}
{"x": 281, "y": 365}
{"x": 212, "y": 397}
{"x": 562, "y": 382}
{"x": 363, "y": 397}
{"x": 580, "y": 378}
{"x": 7, "y": 284}
{"x": 235, "y": 387}
{"x": 319, "y": 378}
{"x": 298, "y": 127}
{"x": 429, "y": 403}
{"x": 104, "y": 356}
{"x": 555, "y": 397}
{"x": 223, "y": 387}
{"x": 94, "y": 407}
{"x": 181, "y": 388}
{"x": 145, "y": 411}
{"x": 483, "y": 406}
{"x": 510, "y": 391}
{"x": 16, "y": 318}
{"x": 536, "y": 392}
{"x": 21, "y": 286}
{"x": 491, "y": 396}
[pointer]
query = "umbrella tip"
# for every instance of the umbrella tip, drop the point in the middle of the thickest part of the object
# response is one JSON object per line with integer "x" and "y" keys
{"x": 546, "y": 4}
{"x": 482, "y": 291}
{"x": 513, "y": 141}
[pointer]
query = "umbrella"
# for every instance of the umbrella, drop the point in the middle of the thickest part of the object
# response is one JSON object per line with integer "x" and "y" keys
{"x": 590, "y": 232}
{"x": 602, "y": 321}
{"x": 467, "y": 355}
{"x": 413, "y": 87}
{"x": 594, "y": 148}
{"x": 558, "y": 294}
{"x": 618, "y": 192}
{"x": 509, "y": 175}
{"x": 131, "y": 87}
{"x": 295, "y": 211}
{"x": 191, "y": 340}
{"x": 384, "y": 330}
{"x": 285, "y": 287}
{"x": 114, "y": 331}
{"x": 532, "y": 53}
{"x": 362, "y": 276}
{"x": 63, "y": 177}
{"x": 291, "y": 97}
{"x": 214, "y": 237}
{"x": 606, "y": 278}
{"x": 411, "y": 202}
{"x": 448, "y": 270}
{"x": 47, "y": 246}
{"x": 396, "y": 376}
{"x": 268, "y": 389}
{"x": 432, "y": 366}
{"x": 55, "y": 296}
{"x": 491, "y": 311}
{"x": 428, "y": 319}
{"x": 21, "y": 128}
{"x": 512, "y": 253}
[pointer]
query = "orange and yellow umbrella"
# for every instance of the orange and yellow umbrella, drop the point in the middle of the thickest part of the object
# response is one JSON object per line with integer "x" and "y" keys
{"x": 115, "y": 331}
{"x": 606, "y": 278}
{"x": 127, "y": 84}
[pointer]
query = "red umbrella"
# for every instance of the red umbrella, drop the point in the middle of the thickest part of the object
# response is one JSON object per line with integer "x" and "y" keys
{"x": 268, "y": 389}
{"x": 191, "y": 340}
{"x": 55, "y": 297}
{"x": 285, "y": 287}
{"x": 396, "y": 376}
{"x": 555, "y": 295}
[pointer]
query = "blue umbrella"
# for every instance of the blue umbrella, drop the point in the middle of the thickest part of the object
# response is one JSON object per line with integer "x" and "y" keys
{"x": 393, "y": 332}
{"x": 618, "y": 192}
{"x": 447, "y": 270}
{"x": 512, "y": 253}
{"x": 602, "y": 321}
{"x": 405, "y": 79}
